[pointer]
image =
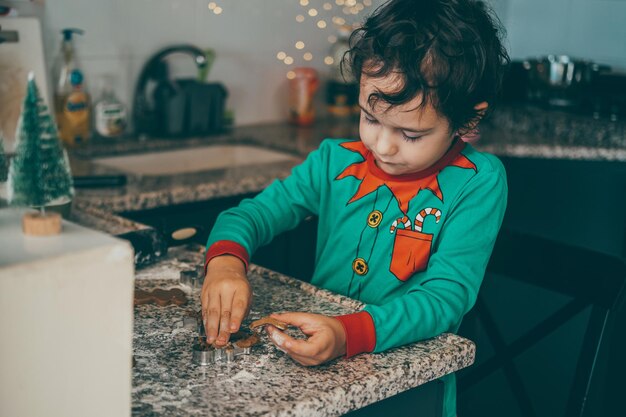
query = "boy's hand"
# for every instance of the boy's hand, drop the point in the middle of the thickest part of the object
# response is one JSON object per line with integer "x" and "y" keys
{"x": 327, "y": 338}
{"x": 226, "y": 298}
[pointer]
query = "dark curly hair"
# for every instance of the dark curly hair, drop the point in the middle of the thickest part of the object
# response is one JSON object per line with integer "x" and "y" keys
{"x": 450, "y": 51}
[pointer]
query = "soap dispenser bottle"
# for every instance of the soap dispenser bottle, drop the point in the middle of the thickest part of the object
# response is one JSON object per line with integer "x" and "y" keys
{"x": 71, "y": 100}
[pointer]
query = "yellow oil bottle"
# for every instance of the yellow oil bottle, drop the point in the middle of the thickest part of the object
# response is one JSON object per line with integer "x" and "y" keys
{"x": 71, "y": 101}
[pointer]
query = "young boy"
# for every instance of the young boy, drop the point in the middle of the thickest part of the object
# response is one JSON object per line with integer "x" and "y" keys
{"x": 408, "y": 215}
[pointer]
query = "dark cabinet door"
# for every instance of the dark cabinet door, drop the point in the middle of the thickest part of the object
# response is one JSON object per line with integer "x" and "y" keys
{"x": 291, "y": 253}
{"x": 582, "y": 203}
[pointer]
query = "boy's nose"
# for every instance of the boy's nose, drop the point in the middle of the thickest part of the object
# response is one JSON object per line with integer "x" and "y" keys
{"x": 385, "y": 144}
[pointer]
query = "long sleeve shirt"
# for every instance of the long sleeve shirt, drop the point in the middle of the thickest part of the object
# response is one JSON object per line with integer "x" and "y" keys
{"x": 413, "y": 247}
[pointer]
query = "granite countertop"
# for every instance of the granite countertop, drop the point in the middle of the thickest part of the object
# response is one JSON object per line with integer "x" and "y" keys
{"x": 538, "y": 132}
{"x": 267, "y": 382}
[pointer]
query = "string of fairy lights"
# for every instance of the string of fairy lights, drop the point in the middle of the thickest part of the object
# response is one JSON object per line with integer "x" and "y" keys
{"x": 215, "y": 8}
{"x": 329, "y": 16}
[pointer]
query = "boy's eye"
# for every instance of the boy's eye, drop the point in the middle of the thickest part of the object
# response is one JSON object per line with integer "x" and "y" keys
{"x": 411, "y": 138}
{"x": 369, "y": 120}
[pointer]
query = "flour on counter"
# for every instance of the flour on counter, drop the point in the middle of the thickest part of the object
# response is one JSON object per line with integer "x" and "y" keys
{"x": 261, "y": 362}
{"x": 183, "y": 330}
{"x": 158, "y": 272}
{"x": 243, "y": 376}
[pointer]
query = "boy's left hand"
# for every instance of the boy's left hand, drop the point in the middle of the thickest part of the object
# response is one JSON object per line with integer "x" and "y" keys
{"x": 326, "y": 338}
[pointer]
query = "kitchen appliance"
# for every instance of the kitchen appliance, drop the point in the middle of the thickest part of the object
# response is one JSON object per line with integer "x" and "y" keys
{"x": 175, "y": 108}
{"x": 608, "y": 96}
{"x": 515, "y": 82}
{"x": 21, "y": 51}
{"x": 560, "y": 80}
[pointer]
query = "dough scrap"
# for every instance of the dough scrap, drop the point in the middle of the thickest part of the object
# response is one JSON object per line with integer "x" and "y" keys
{"x": 160, "y": 297}
{"x": 268, "y": 320}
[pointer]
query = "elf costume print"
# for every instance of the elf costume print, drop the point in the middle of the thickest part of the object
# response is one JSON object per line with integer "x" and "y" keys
{"x": 413, "y": 247}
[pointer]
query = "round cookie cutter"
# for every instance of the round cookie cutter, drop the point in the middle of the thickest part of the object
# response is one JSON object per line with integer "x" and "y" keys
{"x": 192, "y": 278}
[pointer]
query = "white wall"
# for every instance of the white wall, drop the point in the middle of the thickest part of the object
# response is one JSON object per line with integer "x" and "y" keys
{"x": 591, "y": 29}
{"x": 122, "y": 34}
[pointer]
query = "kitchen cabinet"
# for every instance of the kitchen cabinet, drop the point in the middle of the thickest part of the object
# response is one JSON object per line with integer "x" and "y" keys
{"x": 578, "y": 202}
{"x": 292, "y": 253}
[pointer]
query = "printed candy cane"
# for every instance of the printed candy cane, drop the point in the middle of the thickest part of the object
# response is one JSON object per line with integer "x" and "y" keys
{"x": 419, "y": 219}
{"x": 404, "y": 221}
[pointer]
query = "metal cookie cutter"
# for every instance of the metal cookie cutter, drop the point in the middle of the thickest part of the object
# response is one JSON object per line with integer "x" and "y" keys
{"x": 204, "y": 354}
{"x": 193, "y": 278}
{"x": 213, "y": 355}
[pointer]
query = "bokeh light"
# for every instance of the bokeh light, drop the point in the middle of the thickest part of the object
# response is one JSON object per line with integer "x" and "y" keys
{"x": 331, "y": 16}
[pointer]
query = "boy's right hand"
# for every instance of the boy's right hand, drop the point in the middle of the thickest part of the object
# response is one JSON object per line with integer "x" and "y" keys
{"x": 226, "y": 298}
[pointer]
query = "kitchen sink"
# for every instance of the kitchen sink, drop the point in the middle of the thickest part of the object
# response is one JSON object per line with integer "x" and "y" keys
{"x": 189, "y": 160}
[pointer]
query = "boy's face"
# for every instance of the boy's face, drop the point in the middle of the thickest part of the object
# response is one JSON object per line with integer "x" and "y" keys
{"x": 403, "y": 139}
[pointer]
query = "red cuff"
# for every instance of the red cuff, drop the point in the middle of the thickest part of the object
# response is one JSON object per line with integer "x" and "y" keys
{"x": 360, "y": 332}
{"x": 226, "y": 247}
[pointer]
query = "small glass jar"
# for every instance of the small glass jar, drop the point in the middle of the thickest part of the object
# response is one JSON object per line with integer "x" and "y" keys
{"x": 110, "y": 113}
{"x": 302, "y": 90}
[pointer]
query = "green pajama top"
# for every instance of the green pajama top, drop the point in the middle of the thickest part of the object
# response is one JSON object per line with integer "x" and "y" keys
{"x": 413, "y": 248}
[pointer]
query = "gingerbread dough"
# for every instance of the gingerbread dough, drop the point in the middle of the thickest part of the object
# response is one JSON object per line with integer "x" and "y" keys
{"x": 160, "y": 297}
{"x": 268, "y": 320}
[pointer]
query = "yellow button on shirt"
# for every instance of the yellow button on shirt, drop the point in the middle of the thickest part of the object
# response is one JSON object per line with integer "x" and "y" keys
{"x": 374, "y": 218}
{"x": 360, "y": 266}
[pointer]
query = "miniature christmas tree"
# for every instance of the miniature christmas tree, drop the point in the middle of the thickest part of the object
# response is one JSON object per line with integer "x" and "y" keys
{"x": 39, "y": 174}
{"x": 3, "y": 161}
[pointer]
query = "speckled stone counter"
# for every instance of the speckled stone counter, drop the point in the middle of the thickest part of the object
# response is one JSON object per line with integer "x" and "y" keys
{"x": 535, "y": 132}
{"x": 267, "y": 382}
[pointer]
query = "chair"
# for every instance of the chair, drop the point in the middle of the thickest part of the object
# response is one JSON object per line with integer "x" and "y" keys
{"x": 549, "y": 325}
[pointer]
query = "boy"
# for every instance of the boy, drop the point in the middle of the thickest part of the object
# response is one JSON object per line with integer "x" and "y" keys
{"x": 408, "y": 215}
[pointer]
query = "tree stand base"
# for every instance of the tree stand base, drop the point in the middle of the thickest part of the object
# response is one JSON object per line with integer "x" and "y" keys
{"x": 38, "y": 224}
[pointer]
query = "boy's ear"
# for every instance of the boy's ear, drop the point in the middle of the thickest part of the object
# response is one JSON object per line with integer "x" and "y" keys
{"x": 481, "y": 108}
